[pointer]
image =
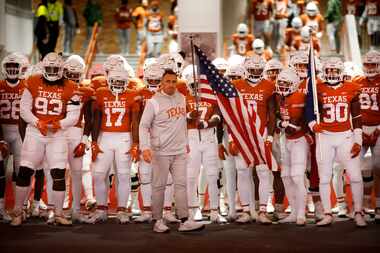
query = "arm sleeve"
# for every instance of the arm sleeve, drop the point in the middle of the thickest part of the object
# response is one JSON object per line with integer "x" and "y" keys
{"x": 26, "y": 105}
{"x": 145, "y": 124}
{"x": 72, "y": 113}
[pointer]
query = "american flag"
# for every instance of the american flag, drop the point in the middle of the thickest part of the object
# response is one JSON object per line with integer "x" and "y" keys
{"x": 239, "y": 117}
{"x": 206, "y": 93}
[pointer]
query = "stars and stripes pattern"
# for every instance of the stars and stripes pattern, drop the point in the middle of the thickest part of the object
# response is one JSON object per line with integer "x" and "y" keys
{"x": 206, "y": 93}
{"x": 238, "y": 117}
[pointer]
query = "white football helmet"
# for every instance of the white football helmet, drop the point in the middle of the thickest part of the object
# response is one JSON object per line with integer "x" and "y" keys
{"x": 287, "y": 82}
{"x": 167, "y": 61}
{"x": 73, "y": 68}
{"x": 242, "y": 30}
{"x": 332, "y": 70}
{"x": 312, "y": 9}
{"x": 272, "y": 68}
{"x": 299, "y": 61}
{"x": 235, "y": 60}
{"x": 297, "y": 23}
{"x": 371, "y": 64}
{"x": 152, "y": 76}
{"x": 188, "y": 76}
{"x": 11, "y": 66}
{"x": 236, "y": 72}
{"x": 114, "y": 62}
{"x": 351, "y": 70}
{"x": 220, "y": 64}
{"x": 179, "y": 60}
{"x": 258, "y": 46}
{"x": 149, "y": 61}
{"x": 254, "y": 67}
{"x": 52, "y": 67}
{"x": 117, "y": 81}
{"x": 25, "y": 65}
{"x": 305, "y": 34}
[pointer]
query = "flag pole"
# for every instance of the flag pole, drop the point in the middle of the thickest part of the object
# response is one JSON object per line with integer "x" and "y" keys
{"x": 314, "y": 90}
{"x": 196, "y": 84}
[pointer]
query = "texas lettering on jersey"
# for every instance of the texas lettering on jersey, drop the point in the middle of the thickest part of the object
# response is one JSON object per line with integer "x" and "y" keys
{"x": 10, "y": 102}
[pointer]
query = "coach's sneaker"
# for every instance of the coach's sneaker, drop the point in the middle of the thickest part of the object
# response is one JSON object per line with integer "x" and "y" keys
{"x": 290, "y": 219}
{"x": 243, "y": 218}
{"x": 215, "y": 217}
{"x": 326, "y": 221}
{"x": 190, "y": 225}
{"x": 169, "y": 217}
{"x": 160, "y": 226}
{"x": 61, "y": 220}
{"x": 146, "y": 216}
{"x": 359, "y": 220}
{"x": 77, "y": 217}
{"x": 97, "y": 217}
{"x": 17, "y": 218}
{"x": 123, "y": 217}
{"x": 301, "y": 221}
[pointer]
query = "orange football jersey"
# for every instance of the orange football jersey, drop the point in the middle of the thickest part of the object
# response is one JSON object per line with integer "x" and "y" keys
{"x": 85, "y": 94}
{"x": 10, "y": 102}
{"x": 335, "y": 104}
{"x": 290, "y": 34}
{"x": 154, "y": 22}
{"x": 257, "y": 96}
{"x": 281, "y": 9}
{"x": 242, "y": 45}
{"x": 369, "y": 100}
{"x": 116, "y": 112}
{"x": 262, "y": 10}
{"x": 98, "y": 82}
{"x": 317, "y": 22}
{"x": 206, "y": 109}
{"x": 292, "y": 109}
{"x": 50, "y": 101}
{"x": 298, "y": 44}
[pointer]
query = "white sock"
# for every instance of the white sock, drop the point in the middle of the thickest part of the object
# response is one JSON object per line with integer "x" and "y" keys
{"x": 20, "y": 196}
{"x": 300, "y": 192}
{"x": 76, "y": 186}
{"x": 244, "y": 184}
{"x": 230, "y": 174}
{"x": 101, "y": 189}
{"x": 357, "y": 195}
{"x": 325, "y": 192}
{"x": 49, "y": 187}
{"x": 58, "y": 199}
{"x": 290, "y": 192}
{"x": 192, "y": 195}
{"x": 123, "y": 189}
{"x": 213, "y": 192}
{"x": 87, "y": 184}
{"x": 264, "y": 185}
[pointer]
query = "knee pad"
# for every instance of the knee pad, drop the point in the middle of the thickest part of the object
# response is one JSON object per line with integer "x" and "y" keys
{"x": 135, "y": 183}
{"x": 59, "y": 182}
{"x": 24, "y": 176}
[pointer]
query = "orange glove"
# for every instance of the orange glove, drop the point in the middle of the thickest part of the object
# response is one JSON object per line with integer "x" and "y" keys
{"x": 80, "y": 150}
{"x": 147, "y": 155}
{"x": 222, "y": 152}
{"x": 95, "y": 149}
{"x": 233, "y": 149}
{"x": 317, "y": 128}
{"x": 134, "y": 152}
{"x": 55, "y": 126}
{"x": 309, "y": 139}
{"x": 355, "y": 150}
{"x": 42, "y": 127}
{"x": 4, "y": 149}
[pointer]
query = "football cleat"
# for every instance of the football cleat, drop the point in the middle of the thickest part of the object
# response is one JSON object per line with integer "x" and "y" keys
{"x": 77, "y": 217}
{"x": 359, "y": 220}
{"x": 190, "y": 225}
{"x": 326, "y": 221}
{"x": 288, "y": 209}
{"x": 160, "y": 227}
{"x": 301, "y": 221}
{"x": 169, "y": 217}
{"x": 318, "y": 211}
{"x": 215, "y": 217}
{"x": 263, "y": 219}
{"x": 195, "y": 214}
{"x": 5, "y": 216}
{"x": 61, "y": 220}
{"x": 335, "y": 209}
{"x": 50, "y": 217}
{"x": 290, "y": 219}
{"x": 243, "y": 218}
{"x": 270, "y": 207}
{"x": 342, "y": 212}
{"x": 90, "y": 204}
{"x": 123, "y": 217}
{"x": 17, "y": 218}
{"x": 98, "y": 216}
{"x": 145, "y": 217}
